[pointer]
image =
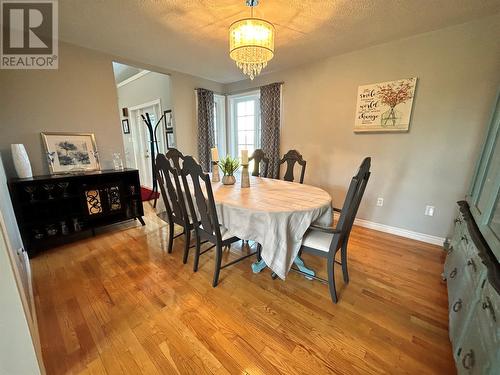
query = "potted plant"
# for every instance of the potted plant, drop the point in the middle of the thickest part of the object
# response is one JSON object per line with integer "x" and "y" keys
{"x": 228, "y": 165}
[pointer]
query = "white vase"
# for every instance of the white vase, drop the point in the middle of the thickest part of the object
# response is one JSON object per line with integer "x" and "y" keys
{"x": 21, "y": 161}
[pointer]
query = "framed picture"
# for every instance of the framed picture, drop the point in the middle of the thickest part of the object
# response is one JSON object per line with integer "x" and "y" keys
{"x": 125, "y": 126}
{"x": 169, "y": 128}
{"x": 168, "y": 119}
{"x": 71, "y": 152}
{"x": 385, "y": 106}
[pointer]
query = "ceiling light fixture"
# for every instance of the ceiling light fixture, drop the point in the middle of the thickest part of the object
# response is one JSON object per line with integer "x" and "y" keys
{"x": 251, "y": 42}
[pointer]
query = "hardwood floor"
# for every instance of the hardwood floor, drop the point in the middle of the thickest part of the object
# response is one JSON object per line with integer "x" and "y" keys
{"x": 118, "y": 303}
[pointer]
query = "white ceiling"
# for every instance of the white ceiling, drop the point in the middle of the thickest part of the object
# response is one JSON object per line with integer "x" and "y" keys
{"x": 191, "y": 35}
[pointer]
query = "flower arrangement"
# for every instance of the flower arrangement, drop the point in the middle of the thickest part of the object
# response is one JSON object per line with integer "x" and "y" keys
{"x": 228, "y": 165}
{"x": 392, "y": 94}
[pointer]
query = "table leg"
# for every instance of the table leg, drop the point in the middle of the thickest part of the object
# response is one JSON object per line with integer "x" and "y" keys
{"x": 301, "y": 266}
{"x": 258, "y": 266}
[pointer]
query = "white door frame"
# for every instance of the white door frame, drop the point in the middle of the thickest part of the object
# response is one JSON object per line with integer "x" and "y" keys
{"x": 134, "y": 127}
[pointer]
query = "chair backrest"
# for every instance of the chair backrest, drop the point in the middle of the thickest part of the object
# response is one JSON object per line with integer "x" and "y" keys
{"x": 351, "y": 204}
{"x": 175, "y": 157}
{"x": 258, "y": 157}
{"x": 290, "y": 158}
{"x": 168, "y": 179}
{"x": 202, "y": 207}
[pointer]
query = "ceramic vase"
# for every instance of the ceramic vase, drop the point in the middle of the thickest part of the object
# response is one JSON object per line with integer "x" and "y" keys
{"x": 21, "y": 161}
{"x": 228, "y": 180}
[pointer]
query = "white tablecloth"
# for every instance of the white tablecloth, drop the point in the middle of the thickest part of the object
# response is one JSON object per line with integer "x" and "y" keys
{"x": 274, "y": 213}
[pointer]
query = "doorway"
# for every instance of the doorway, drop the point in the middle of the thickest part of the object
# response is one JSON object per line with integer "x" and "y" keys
{"x": 138, "y": 151}
{"x": 142, "y": 92}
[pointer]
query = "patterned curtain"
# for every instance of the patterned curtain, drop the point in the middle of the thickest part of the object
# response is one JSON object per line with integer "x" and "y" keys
{"x": 206, "y": 133}
{"x": 270, "y": 98}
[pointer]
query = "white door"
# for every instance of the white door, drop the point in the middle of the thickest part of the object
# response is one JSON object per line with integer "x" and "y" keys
{"x": 141, "y": 146}
{"x": 12, "y": 245}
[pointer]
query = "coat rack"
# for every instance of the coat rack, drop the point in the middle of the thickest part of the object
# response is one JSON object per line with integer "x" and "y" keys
{"x": 153, "y": 144}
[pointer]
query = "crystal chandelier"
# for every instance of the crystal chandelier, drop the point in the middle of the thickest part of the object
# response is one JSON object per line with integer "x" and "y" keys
{"x": 251, "y": 43}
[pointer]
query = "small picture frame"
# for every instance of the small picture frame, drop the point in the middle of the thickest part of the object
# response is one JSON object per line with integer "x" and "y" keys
{"x": 125, "y": 126}
{"x": 168, "y": 119}
{"x": 71, "y": 152}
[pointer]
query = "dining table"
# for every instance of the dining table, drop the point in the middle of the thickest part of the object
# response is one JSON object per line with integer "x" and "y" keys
{"x": 275, "y": 214}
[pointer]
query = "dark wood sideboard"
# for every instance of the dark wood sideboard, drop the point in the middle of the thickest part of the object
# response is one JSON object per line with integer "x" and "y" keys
{"x": 56, "y": 209}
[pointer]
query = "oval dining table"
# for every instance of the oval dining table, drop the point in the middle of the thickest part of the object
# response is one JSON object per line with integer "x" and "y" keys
{"x": 274, "y": 213}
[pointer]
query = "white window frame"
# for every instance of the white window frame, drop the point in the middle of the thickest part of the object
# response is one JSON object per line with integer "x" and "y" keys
{"x": 233, "y": 131}
{"x": 220, "y": 125}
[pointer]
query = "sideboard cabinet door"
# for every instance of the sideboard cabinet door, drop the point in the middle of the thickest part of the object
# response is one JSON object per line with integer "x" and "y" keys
{"x": 472, "y": 355}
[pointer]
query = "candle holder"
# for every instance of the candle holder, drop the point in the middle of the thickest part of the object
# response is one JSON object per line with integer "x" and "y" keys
{"x": 215, "y": 171}
{"x": 245, "y": 177}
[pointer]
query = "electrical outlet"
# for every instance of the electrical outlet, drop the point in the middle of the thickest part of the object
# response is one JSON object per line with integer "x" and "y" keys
{"x": 429, "y": 210}
{"x": 380, "y": 201}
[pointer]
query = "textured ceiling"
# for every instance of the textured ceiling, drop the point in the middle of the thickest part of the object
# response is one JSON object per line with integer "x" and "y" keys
{"x": 191, "y": 35}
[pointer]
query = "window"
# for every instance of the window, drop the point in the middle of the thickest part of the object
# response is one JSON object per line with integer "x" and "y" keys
{"x": 220, "y": 123}
{"x": 245, "y": 123}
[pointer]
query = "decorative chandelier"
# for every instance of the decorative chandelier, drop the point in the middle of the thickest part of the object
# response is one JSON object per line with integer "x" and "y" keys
{"x": 251, "y": 42}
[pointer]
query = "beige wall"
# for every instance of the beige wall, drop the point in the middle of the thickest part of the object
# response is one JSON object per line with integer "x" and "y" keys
{"x": 458, "y": 72}
{"x": 80, "y": 96}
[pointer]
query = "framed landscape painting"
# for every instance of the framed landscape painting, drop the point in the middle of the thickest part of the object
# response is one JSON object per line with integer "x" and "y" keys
{"x": 385, "y": 106}
{"x": 71, "y": 152}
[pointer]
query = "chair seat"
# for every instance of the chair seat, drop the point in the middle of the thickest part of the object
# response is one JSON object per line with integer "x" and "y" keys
{"x": 318, "y": 240}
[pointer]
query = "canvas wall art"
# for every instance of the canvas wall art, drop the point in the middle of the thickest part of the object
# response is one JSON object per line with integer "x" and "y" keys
{"x": 385, "y": 106}
{"x": 71, "y": 152}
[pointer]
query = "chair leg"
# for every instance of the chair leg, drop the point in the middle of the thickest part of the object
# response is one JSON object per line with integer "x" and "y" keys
{"x": 196, "y": 252}
{"x": 343, "y": 257}
{"x": 218, "y": 262}
{"x": 170, "y": 236}
{"x": 259, "y": 249}
{"x": 187, "y": 239}
{"x": 331, "y": 278}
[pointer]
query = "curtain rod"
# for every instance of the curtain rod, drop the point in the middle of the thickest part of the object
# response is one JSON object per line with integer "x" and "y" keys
{"x": 242, "y": 90}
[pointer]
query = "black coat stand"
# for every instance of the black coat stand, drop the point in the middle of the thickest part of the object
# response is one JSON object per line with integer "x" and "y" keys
{"x": 153, "y": 143}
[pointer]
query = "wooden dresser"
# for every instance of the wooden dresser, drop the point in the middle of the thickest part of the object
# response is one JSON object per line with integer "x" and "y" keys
{"x": 55, "y": 209}
{"x": 473, "y": 277}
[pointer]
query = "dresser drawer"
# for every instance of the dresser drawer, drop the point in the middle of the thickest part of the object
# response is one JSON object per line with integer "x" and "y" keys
{"x": 462, "y": 300}
{"x": 455, "y": 259}
{"x": 489, "y": 317}
{"x": 458, "y": 229}
{"x": 475, "y": 267}
{"x": 472, "y": 356}
{"x": 458, "y": 276}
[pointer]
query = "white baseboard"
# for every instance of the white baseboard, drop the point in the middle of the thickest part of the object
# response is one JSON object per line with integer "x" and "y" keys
{"x": 435, "y": 240}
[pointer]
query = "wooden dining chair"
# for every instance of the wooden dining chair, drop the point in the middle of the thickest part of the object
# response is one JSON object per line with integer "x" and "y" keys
{"x": 175, "y": 157}
{"x": 175, "y": 205}
{"x": 291, "y": 158}
{"x": 326, "y": 241}
{"x": 259, "y": 157}
{"x": 205, "y": 219}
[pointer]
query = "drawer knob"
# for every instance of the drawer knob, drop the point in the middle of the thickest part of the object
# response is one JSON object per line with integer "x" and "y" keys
{"x": 453, "y": 273}
{"x": 489, "y": 307}
{"x": 457, "y": 305}
{"x": 471, "y": 262}
{"x": 468, "y": 360}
